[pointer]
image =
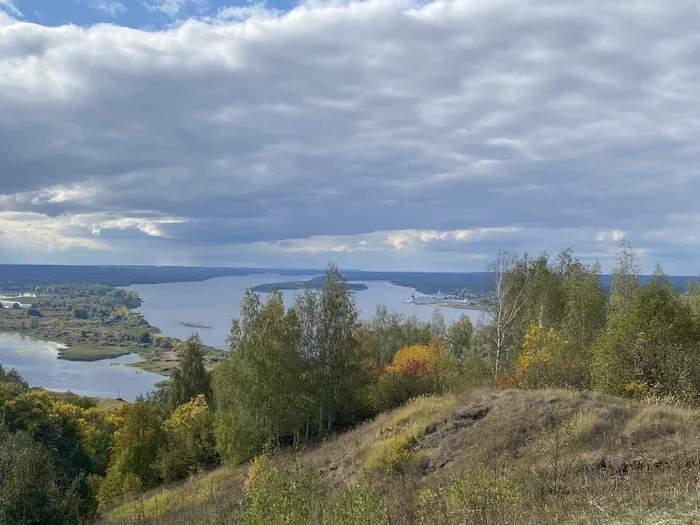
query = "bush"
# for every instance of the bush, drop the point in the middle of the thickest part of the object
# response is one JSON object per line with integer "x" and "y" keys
{"x": 33, "y": 312}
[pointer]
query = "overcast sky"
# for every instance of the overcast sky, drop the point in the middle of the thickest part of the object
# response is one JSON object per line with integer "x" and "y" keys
{"x": 383, "y": 134}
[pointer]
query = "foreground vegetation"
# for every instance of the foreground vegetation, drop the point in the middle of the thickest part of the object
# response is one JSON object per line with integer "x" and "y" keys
{"x": 545, "y": 443}
{"x": 487, "y": 457}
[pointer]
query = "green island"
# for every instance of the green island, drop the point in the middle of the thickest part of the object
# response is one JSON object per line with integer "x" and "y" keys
{"x": 94, "y": 321}
{"x": 316, "y": 283}
{"x": 190, "y": 324}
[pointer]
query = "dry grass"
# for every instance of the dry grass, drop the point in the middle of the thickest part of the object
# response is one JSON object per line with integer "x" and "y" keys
{"x": 539, "y": 457}
{"x": 201, "y": 499}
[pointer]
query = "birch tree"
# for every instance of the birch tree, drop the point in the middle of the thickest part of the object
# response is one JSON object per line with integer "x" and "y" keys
{"x": 507, "y": 281}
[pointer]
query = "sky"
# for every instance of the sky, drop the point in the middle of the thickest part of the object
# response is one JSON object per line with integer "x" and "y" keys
{"x": 382, "y": 134}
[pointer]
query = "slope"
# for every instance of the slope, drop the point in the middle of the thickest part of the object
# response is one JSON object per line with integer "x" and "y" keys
{"x": 485, "y": 457}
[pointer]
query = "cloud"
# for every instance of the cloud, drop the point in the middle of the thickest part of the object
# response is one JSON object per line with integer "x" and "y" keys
{"x": 614, "y": 236}
{"x": 174, "y": 8}
{"x": 10, "y": 8}
{"x": 41, "y": 233}
{"x": 243, "y": 12}
{"x": 256, "y": 135}
{"x": 111, "y": 7}
{"x": 399, "y": 240}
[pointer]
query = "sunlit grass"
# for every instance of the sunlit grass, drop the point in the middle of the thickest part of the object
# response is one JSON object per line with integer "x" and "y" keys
{"x": 195, "y": 492}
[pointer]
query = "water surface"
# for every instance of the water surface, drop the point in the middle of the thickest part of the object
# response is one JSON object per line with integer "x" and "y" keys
{"x": 38, "y": 363}
{"x": 214, "y": 303}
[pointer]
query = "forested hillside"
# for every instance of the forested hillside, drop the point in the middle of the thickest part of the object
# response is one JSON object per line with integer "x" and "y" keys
{"x": 297, "y": 376}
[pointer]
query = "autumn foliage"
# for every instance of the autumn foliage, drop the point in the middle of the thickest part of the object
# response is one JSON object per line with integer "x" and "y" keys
{"x": 414, "y": 370}
{"x": 417, "y": 360}
{"x": 535, "y": 366}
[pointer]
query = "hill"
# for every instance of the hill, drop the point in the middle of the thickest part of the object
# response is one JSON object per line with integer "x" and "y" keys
{"x": 521, "y": 457}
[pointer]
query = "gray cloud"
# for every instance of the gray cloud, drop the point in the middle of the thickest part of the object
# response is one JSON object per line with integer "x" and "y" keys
{"x": 270, "y": 137}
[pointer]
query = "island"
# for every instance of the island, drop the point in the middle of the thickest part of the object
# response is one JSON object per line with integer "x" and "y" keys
{"x": 312, "y": 284}
{"x": 192, "y": 324}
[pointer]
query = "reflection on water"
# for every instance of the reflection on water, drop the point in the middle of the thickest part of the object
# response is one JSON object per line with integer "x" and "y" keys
{"x": 37, "y": 361}
{"x": 213, "y": 303}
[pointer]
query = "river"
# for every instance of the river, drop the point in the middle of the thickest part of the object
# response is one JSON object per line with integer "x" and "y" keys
{"x": 38, "y": 363}
{"x": 214, "y": 303}
{"x": 211, "y": 303}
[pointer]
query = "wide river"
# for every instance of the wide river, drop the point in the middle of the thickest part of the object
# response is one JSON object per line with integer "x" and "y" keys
{"x": 170, "y": 306}
{"x": 214, "y": 303}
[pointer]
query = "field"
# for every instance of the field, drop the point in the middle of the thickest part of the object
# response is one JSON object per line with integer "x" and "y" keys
{"x": 530, "y": 457}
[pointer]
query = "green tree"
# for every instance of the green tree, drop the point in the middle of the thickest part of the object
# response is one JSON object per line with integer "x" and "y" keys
{"x": 459, "y": 339}
{"x": 584, "y": 317}
{"x": 648, "y": 346}
{"x": 438, "y": 329}
{"x": 692, "y": 298}
{"x": 259, "y": 390}
{"x": 625, "y": 282}
{"x": 387, "y": 333}
{"x": 544, "y": 298}
{"x": 138, "y": 439}
{"x": 335, "y": 365}
{"x": 190, "y": 445}
{"x": 31, "y": 491}
{"x": 191, "y": 378}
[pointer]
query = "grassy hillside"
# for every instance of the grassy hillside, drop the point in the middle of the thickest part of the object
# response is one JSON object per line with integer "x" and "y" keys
{"x": 485, "y": 457}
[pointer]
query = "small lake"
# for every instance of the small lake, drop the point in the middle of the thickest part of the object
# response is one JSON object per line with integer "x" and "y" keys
{"x": 38, "y": 363}
{"x": 214, "y": 303}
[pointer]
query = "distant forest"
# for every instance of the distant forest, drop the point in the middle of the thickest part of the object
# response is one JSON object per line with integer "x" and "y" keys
{"x": 21, "y": 277}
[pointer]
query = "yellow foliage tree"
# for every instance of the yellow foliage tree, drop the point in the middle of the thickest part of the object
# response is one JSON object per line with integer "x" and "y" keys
{"x": 537, "y": 363}
{"x": 415, "y": 370}
{"x": 417, "y": 360}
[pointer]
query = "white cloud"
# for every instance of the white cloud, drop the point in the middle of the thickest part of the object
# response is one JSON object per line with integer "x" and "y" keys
{"x": 382, "y": 241}
{"x": 174, "y": 8}
{"x": 413, "y": 239}
{"x": 608, "y": 236}
{"x": 45, "y": 234}
{"x": 243, "y": 12}
{"x": 10, "y": 8}
{"x": 383, "y": 128}
{"x": 111, "y": 7}
{"x": 33, "y": 231}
